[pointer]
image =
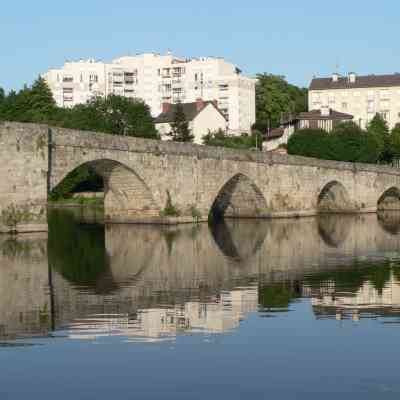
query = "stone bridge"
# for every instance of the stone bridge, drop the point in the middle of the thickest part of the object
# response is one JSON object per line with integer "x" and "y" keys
{"x": 142, "y": 177}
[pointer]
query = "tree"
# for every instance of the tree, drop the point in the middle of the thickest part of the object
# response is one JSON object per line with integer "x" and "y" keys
{"x": 244, "y": 141}
{"x": 310, "y": 143}
{"x": 116, "y": 115}
{"x": 180, "y": 131}
{"x": 275, "y": 97}
{"x": 40, "y": 102}
{"x": 379, "y": 128}
{"x": 347, "y": 142}
{"x": 395, "y": 141}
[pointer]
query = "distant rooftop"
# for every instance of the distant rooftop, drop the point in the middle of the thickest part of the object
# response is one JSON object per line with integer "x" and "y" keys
{"x": 191, "y": 110}
{"x": 354, "y": 81}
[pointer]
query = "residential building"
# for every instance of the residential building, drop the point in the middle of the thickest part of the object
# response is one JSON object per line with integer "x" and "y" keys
{"x": 324, "y": 118}
{"x": 360, "y": 96}
{"x": 203, "y": 117}
{"x": 158, "y": 79}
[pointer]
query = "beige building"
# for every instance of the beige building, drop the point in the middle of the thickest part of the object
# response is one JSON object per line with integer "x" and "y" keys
{"x": 360, "y": 96}
{"x": 159, "y": 79}
{"x": 203, "y": 117}
{"x": 324, "y": 118}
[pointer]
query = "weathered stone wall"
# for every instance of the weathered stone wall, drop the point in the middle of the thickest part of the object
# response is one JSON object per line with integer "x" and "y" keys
{"x": 23, "y": 171}
{"x": 140, "y": 174}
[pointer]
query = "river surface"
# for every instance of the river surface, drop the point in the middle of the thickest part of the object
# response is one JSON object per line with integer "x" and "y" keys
{"x": 284, "y": 309}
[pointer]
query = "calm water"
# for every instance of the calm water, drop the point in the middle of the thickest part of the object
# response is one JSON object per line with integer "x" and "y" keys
{"x": 284, "y": 309}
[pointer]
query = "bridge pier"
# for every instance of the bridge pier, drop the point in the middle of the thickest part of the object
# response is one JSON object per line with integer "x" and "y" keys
{"x": 23, "y": 171}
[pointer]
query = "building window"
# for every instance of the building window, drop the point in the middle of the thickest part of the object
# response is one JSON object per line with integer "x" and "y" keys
{"x": 68, "y": 79}
{"x": 384, "y": 115}
{"x": 223, "y": 87}
{"x": 93, "y": 78}
{"x": 370, "y": 106}
{"x": 344, "y": 106}
{"x": 384, "y": 94}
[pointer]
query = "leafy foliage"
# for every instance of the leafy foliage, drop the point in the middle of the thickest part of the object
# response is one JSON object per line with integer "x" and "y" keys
{"x": 395, "y": 141}
{"x": 180, "y": 127}
{"x": 275, "y": 97}
{"x": 116, "y": 115}
{"x": 221, "y": 139}
{"x": 347, "y": 142}
{"x": 379, "y": 128}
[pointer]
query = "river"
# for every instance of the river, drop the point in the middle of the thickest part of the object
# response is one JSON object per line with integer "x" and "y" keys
{"x": 284, "y": 309}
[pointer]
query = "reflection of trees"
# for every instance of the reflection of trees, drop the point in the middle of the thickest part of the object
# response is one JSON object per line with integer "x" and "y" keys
{"x": 77, "y": 251}
{"x": 278, "y": 295}
{"x": 352, "y": 278}
{"x": 334, "y": 229}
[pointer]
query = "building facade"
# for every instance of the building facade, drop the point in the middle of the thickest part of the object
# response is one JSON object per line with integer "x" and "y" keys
{"x": 361, "y": 96}
{"x": 158, "y": 79}
{"x": 325, "y": 118}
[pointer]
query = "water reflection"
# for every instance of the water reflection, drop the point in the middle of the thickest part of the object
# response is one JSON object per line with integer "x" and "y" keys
{"x": 153, "y": 283}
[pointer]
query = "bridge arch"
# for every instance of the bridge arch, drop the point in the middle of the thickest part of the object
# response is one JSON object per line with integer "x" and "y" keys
{"x": 389, "y": 200}
{"x": 239, "y": 197}
{"x": 334, "y": 198}
{"x": 126, "y": 195}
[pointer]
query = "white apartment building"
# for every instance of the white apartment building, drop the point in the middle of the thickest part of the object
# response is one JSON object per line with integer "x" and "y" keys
{"x": 158, "y": 79}
{"x": 360, "y": 96}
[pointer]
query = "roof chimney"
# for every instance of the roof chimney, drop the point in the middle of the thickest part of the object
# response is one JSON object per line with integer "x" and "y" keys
{"x": 335, "y": 77}
{"x": 352, "y": 77}
{"x": 199, "y": 104}
{"x": 166, "y": 107}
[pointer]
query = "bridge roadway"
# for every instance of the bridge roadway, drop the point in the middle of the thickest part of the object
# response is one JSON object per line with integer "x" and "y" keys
{"x": 141, "y": 176}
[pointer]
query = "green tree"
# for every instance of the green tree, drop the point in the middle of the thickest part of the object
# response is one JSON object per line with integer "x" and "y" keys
{"x": 116, "y": 115}
{"x": 40, "y": 102}
{"x": 180, "y": 131}
{"x": 346, "y": 142}
{"x": 244, "y": 141}
{"x": 379, "y": 128}
{"x": 310, "y": 143}
{"x": 395, "y": 141}
{"x": 276, "y": 97}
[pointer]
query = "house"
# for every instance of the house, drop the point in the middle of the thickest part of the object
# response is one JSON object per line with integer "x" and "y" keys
{"x": 202, "y": 116}
{"x": 324, "y": 118}
{"x": 361, "y": 96}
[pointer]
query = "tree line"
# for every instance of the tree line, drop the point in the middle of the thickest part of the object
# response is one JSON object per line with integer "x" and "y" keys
{"x": 115, "y": 115}
{"x": 348, "y": 142}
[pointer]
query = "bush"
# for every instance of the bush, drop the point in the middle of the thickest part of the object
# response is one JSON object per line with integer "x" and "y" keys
{"x": 170, "y": 210}
{"x": 347, "y": 142}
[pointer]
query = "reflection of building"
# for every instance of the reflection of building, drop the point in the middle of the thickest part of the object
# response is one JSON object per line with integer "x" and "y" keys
{"x": 220, "y": 314}
{"x": 332, "y": 301}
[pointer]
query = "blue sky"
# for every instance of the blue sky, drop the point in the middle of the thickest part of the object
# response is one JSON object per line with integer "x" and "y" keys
{"x": 294, "y": 38}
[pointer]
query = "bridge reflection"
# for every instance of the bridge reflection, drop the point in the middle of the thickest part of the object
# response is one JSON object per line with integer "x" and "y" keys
{"x": 153, "y": 283}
